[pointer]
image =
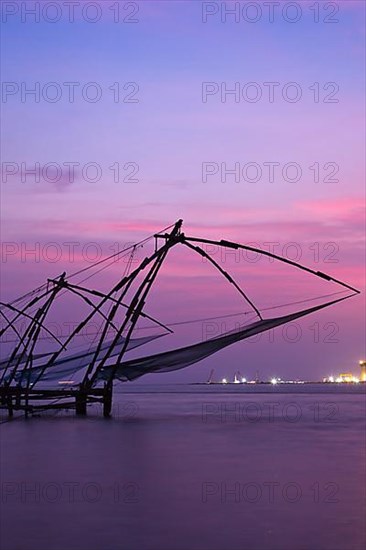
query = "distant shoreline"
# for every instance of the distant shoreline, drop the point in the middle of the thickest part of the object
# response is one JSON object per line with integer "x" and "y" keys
{"x": 277, "y": 384}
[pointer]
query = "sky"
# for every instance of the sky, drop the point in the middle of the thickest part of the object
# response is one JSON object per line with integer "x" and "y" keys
{"x": 248, "y": 126}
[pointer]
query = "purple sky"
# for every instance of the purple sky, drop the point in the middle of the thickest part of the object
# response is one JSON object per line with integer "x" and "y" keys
{"x": 168, "y": 139}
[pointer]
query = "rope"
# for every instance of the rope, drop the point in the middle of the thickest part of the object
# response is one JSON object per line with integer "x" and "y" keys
{"x": 216, "y": 317}
{"x": 142, "y": 242}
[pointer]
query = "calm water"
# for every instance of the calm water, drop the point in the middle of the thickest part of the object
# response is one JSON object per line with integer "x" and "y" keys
{"x": 190, "y": 468}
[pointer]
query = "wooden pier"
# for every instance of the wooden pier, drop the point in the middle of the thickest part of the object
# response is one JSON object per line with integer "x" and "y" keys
{"x": 32, "y": 400}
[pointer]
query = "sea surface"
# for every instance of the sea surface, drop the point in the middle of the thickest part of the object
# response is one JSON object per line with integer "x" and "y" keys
{"x": 190, "y": 467}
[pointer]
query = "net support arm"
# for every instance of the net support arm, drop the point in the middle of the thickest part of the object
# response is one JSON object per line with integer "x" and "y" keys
{"x": 236, "y": 246}
{"x": 137, "y": 304}
{"x": 124, "y": 281}
{"x": 204, "y": 254}
{"x": 115, "y": 301}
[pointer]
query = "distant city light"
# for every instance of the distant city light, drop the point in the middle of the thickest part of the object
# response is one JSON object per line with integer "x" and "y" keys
{"x": 346, "y": 377}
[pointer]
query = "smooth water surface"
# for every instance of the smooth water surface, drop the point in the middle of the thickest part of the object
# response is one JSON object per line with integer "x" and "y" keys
{"x": 190, "y": 468}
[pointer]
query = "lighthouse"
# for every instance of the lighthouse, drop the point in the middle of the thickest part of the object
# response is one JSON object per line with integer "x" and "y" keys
{"x": 363, "y": 370}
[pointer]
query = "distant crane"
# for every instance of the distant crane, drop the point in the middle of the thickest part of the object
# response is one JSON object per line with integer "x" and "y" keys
{"x": 209, "y": 381}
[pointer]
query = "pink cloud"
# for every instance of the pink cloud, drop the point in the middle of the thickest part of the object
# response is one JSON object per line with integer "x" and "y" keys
{"x": 343, "y": 208}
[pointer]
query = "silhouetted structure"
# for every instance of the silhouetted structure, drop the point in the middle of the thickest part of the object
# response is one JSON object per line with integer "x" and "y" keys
{"x": 24, "y": 371}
